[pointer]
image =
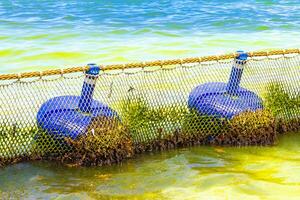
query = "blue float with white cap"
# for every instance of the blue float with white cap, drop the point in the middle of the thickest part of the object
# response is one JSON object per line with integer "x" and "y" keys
{"x": 71, "y": 115}
{"x": 225, "y": 100}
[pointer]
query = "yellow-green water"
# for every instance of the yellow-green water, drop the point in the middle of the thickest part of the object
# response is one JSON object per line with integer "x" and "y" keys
{"x": 38, "y": 35}
{"x": 190, "y": 173}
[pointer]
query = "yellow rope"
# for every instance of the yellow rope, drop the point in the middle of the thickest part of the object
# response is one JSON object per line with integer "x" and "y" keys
{"x": 146, "y": 64}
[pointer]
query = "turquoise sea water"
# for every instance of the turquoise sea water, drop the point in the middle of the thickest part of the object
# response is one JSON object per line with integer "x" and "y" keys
{"x": 38, "y": 35}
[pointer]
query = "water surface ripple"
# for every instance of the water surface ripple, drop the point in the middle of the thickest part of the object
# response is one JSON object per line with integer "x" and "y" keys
{"x": 191, "y": 173}
{"x": 37, "y": 35}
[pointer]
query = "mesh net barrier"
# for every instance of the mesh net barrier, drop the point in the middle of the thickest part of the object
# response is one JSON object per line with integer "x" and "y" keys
{"x": 142, "y": 109}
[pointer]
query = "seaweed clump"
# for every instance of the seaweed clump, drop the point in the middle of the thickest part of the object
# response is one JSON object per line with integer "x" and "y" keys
{"x": 249, "y": 128}
{"x": 284, "y": 106}
{"x": 146, "y": 122}
{"x": 106, "y": 141}
{"x": 16, "y": 144}
{"x": 280, "y": 102}
{"x": 286, "y": 126}
{"x": 13, "y": 160}
{"x": 192, "y": 128}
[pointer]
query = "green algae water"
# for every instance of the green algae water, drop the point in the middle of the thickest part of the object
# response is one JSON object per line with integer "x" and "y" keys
{"x": 39, "y": 35}
{"x": 189, "y": 173}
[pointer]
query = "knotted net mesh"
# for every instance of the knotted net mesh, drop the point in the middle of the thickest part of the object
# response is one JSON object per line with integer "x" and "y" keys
{"x": 151, "y": 105}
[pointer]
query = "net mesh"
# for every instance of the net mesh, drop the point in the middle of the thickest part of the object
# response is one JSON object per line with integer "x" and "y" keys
{"x": 151, "y": 103}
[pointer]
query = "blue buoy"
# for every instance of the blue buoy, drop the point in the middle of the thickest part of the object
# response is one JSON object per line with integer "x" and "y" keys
{"x": 225, "y": 100}
{"x": 70, "y": 116}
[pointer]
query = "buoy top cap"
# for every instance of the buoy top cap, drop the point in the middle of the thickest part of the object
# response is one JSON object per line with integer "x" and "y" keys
{"x": 94, "y": 69}
{"x": 242, "y": 55}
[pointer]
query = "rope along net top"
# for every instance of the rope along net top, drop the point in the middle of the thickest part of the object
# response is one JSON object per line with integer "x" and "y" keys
{"x": 214, "y": 99}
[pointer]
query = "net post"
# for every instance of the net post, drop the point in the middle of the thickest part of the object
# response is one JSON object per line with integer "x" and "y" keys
{"x": 86, "y": 98}
{"x": 236, "y": 72}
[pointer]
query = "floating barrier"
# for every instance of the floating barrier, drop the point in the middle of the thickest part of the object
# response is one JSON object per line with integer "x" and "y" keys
{"x": 71, "y": 115}
{"x": 148, "y": 106}
{"x": 225, "y": 100}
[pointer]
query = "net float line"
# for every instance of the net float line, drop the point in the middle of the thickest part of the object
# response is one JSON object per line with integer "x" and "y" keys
{"x": 147, "y": 64}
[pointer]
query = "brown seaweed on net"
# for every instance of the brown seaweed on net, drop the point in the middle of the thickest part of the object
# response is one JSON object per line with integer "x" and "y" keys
{"x": 284, "y": 105}
{"x": 249, "y": 128}
{"x": 14, "y": 160}
{"x": 286, "y": 126}
{"x": 106, "y": 141}
{"x": 171, "y": 141}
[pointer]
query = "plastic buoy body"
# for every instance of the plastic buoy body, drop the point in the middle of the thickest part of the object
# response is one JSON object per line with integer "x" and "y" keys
{"x": 70, "y": 116}
{"x": 225, "y": 100}
{"x": 61, "y": 116}
{"x": 212, "y": 99}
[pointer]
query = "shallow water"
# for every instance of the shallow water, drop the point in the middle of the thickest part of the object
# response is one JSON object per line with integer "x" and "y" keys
{"x": 37, "y": 35}
{"x": 190, "y": 173}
